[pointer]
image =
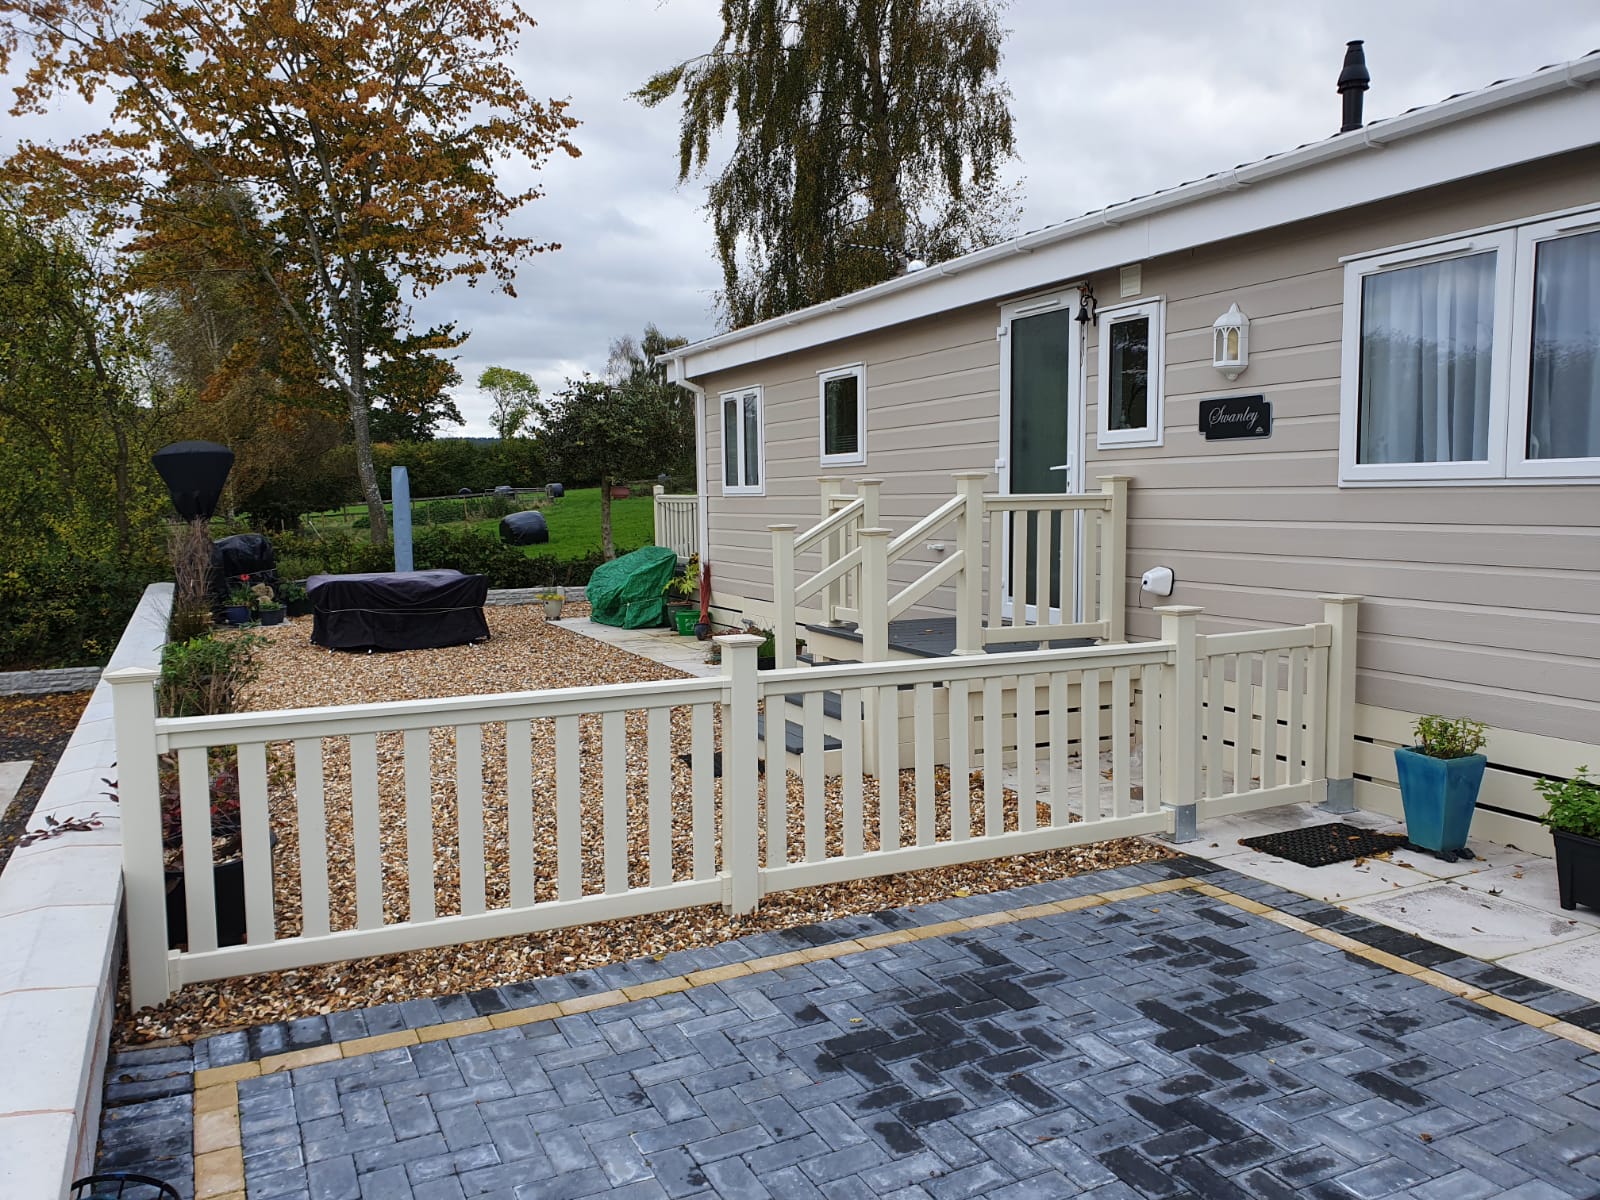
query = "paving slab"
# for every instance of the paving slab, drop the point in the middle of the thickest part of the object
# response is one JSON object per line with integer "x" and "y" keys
{"x": 1472, "y": 921}
{"x": 1180, "y": 1042}
{"x": 1574, "y": 965}
{"x": 11, "y": 776}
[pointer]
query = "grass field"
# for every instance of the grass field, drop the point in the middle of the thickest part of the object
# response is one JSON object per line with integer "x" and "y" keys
{"x": 574, "y": 522}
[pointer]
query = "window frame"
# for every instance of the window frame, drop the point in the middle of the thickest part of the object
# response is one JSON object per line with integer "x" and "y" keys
{"x": 1153, "y": 432}
{"x": 859, "y": 372}
{"x": 736, "y": 397}
{"x": 1518, "y": 464}
{"x": 1515, "y": 244}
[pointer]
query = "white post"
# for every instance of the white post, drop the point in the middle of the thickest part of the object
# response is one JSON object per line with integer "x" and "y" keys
{"x": 969, "y": 544}
{"x": 874, "y": 595}
{"x": 868, "y": 490}
{"x": 1114, "y": 558}
{"x": 133, "y": 701}
{"x": 1180, "y": 720}
{"x": 1339, "y": 708}
{"x": 832, "y": 548}
{"x": 783, "y": 604}
{"x": 741, "y": 863}
{"x": 657, "y": 492}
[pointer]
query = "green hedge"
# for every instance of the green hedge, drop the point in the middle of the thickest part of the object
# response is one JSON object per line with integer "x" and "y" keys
{"x": 68, "y": 612}
{"x": 470, "y": 551}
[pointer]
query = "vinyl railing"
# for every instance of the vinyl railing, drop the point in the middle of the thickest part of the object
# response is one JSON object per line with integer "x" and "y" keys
{"x": 515, "y": 813}
{"x": 1039, "y": 558}
{"x": 677, "y": 522}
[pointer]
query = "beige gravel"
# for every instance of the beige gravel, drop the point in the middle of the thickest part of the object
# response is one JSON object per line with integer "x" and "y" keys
{"x": 525, "y": 653}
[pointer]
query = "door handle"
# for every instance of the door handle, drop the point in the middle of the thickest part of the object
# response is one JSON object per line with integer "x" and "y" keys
{"x": 1066, "y": 466}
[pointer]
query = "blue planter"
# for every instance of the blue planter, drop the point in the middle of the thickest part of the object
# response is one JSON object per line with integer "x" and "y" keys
{"x": 1439, "y": 795}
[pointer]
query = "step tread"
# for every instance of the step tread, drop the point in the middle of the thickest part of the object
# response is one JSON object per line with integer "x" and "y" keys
{"x": 794, "y": 738}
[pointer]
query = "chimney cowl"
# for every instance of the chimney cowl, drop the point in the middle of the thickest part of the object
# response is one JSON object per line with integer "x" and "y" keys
{"x": 1353, "y": 81}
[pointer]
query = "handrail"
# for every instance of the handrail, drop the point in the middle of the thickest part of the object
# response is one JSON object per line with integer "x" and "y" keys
{"x": 835, "y": 570}
{"x": 927, "y": 582}
{"x": 942, "y": 515}
{"x": 1033, "y": 501}
{"x": 831, "y": 525}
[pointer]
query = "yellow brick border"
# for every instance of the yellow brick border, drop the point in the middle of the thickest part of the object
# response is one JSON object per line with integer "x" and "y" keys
{"x": 218, "y": 1149}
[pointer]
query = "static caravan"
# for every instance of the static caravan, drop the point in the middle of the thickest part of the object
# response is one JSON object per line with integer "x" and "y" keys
{"x": 1368, "y": 366}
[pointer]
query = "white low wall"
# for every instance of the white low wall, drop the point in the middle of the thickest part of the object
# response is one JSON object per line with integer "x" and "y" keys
{"x": 60, "y": 930}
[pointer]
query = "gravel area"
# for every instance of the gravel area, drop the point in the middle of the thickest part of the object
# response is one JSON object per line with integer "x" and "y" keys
{"x": 527, "y": 652}
{"x": 37, "y": 728}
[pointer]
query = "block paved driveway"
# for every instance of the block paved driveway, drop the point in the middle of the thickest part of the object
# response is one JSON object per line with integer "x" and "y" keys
{"x": 1159, "y": 1046}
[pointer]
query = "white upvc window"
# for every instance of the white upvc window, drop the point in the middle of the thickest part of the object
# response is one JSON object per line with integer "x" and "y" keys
{"x": 1131, "y": 337}
{"x": 842, "y": 402}
{"x": 1474, "y": 359}
{"x": 743, "y": 445}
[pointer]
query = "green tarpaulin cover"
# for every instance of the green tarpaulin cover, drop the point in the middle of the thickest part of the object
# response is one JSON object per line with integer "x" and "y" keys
{"x": 627, "y": 591}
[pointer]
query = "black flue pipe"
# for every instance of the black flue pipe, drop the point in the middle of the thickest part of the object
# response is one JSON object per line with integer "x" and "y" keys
{"x": 1353, "y": 83}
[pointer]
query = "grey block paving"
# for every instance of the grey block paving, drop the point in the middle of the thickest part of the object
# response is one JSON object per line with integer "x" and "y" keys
{"x": 1173, "y": 1047}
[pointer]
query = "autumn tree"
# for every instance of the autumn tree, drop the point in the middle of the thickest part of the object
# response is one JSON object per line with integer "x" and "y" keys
{"x": 865, "y": 132}
{"x": 514, "y": 398}
{"x": 370, "y": 138}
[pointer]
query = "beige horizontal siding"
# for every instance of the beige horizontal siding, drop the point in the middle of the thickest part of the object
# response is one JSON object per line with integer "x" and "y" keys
{"x": 1479, "y": 600}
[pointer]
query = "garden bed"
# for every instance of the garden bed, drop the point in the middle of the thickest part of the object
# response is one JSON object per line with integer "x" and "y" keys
{"x": 526, "y": 652}
{"x": 37, "y": 728}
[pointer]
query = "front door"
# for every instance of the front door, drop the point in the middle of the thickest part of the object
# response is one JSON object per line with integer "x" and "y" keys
{"x": 1041, "y": 443}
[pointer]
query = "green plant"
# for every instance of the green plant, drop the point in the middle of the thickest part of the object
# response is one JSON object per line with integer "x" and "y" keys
{"x": 682, "y": 585}
{"x": 204, "y": 675}
{"x": 1442, "y": 737}
{"x": 240, "y": 596}
{"x": 546, "y": 597}
{"x": 1573, "y": 804}
{"x": 769, "y": 647}
{"x": 292, "y": 591}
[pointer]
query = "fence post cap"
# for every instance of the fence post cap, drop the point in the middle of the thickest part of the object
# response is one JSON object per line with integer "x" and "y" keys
{"x": 970, "y": 474}
{"x": 1340, "y": 598}
{"x": 1115, "y": 478}
{"x": 782, "y": 528}
{"x": 132, "y": 675}
{"x": 868, "y": 482}
{"x": 738, "y": 640}
{"x": 1177, "y": 610}
{"x": 874, "y": 532}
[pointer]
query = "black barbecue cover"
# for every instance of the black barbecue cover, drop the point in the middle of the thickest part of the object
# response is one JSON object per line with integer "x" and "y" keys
{"x": 397, "y": 610}
{"x": 242, "y": 554}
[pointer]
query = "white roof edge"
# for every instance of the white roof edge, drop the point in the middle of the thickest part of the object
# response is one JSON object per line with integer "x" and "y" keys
{"x": 1576, "y": 74}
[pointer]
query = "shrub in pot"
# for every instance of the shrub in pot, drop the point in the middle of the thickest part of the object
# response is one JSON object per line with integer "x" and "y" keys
{"x": 293, "y": 595}
{"x": 270, "y": 613}
{"x": 1573, "y": 818}
{"x": 1439, "y": 781}
{"x": 552, "y": 602}
{"x": 237, "y": 610}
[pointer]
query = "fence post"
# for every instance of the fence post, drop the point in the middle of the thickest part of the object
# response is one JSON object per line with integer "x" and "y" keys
{"x": 658, "y": 511}
{"x": 741, "y": 864}
{"x": 1114, "y": 558}
{"x": 783, "y": 604}
{"x": 874, "y": 594}
{"x": 1180, "y": 721}
{"x": 144, "y": 886}
{"x": 1339, "y": 706}
{"x": 868, "y": 490}
{"x": 832, "y": 548}
{"x": 969, "y": 544}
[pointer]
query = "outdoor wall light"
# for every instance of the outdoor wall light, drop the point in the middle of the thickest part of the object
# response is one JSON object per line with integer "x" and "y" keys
{"x": 1230, "y": 335}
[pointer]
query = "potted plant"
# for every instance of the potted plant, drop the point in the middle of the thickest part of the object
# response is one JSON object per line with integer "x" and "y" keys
{"x": 293, "y": 595}
{"x": 237, "y": 609}
{"x": 1439, "y": 781}
{"x": 680, "y": 590}
{"x": 767, "y": 652}
{"x": 270, "y": 612}
{"x": 1573, "y": 818}
{"x": 552, "y": 602}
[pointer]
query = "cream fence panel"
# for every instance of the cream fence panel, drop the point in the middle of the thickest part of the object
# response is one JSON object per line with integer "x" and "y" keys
{"x": 677, "y": 522}
{"x": 606, "y": 802}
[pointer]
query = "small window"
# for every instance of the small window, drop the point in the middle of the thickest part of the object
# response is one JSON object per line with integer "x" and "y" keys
{"x": 742, "y": 450}
{"x": 843, "y": 396}
{"x": 1130, "y": 375}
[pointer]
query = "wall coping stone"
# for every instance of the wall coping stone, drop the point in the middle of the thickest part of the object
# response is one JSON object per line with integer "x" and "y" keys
{"x": 43, "y": 683}
{"x": 60, "y": 938}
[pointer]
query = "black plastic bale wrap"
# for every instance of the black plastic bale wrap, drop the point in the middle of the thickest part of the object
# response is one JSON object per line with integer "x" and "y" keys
{"x": 524, "y": 529}
{"x": 398, "y": 610}
{"x": 241, "y": 554}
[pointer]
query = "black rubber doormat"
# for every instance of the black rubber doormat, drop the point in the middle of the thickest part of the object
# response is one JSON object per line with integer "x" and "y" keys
{"x": 1322, "y": 845}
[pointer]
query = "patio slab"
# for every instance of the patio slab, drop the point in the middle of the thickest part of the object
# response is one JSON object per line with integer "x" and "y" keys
{"x": 1172, "y": 1029}
{"x": 12, "y": 775}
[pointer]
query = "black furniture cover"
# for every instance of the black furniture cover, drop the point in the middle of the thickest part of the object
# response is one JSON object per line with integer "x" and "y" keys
{"x": 397, "y": 610}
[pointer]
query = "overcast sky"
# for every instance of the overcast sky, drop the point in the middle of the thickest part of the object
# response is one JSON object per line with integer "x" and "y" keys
{"x": 1110, "y": 101}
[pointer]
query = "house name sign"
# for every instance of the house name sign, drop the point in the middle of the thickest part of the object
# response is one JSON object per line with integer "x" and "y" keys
{"x": 1236, "y": 417}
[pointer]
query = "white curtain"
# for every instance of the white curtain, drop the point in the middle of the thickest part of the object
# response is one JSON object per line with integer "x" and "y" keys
{"x": 1564, "y": 384}
{"x": 1426, "y": 344}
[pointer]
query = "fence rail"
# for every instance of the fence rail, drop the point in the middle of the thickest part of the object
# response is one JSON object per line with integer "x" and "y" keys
{"x": 514, "y": 813}
{"x": 677, "y": 522}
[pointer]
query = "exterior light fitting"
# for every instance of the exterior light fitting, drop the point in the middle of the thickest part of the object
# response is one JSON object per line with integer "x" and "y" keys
{"x": 1230, "y": 337}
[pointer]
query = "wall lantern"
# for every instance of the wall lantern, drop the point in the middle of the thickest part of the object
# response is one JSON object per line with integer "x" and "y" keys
{"x": 1230, "y": 335}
